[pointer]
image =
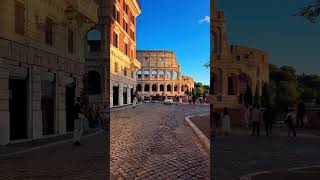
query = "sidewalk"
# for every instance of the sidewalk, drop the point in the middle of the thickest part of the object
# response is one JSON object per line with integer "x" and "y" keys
{"x": 24, "y": 146}
{"x": 311, "y": 173}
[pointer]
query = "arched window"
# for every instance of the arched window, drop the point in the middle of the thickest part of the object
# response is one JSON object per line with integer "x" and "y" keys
{"x": 154, "y": 74}
{"x": 175, "y": 75}
{"x": 168, "y": 75}
{"x": 161, "y": 87}
{"x": 139, "y": 88}
{"x": 154, "y": 88}
{"x": 230, "y": 86}
{"x": 169, "y": 87}
{"x": 93, "y": 40}
{"x": 94, "y": 83}
{"x": 146, "y": 87}
{"x": 161, "y": 75}
{"x": 175, "y": 88}
{"x": 146, "y": 74}
{"x": 139, "y": 74}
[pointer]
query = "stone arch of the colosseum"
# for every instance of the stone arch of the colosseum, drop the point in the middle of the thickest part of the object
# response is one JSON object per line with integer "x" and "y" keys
{"x": 161, "y": 74}
{"x": 154, "y": 88}
{"x": 169, "y": 87}
{"x": 168, "y": 75}
{"x": 94, "y": 82}
{"x": 175, "y": 89}
{"x": 161, "y": 87}
{"x": 146, "y": 74}
{"x": 139, "y": 74}
{"x": 245, "y": 81}
{"x": 175, "y": 74}
{"x": 233, "y": 84}
{"x": 154, "y": 74}
{"x": 146, "y": 87}
{"x": 139, "y": 87}
{"x": 93, "y": 40}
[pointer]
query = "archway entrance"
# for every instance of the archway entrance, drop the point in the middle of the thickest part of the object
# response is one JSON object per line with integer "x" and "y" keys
{"x": 18, "y": 86}
{"x": 70, "y": 101}
{"x": 116, "y": 95}
{"x": 47, "y": 102}
{"x": 125, "y": 95}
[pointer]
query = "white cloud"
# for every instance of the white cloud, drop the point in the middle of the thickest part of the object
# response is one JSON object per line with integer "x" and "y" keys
{"x": 206, "y": 19}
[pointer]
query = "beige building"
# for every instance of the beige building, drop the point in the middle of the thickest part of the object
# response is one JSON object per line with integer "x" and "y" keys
{"x": 160, "y": 75}
{"x": 41, "y": 65}
{"x": 123, "y": 62}
{"x": 234, "y": 67}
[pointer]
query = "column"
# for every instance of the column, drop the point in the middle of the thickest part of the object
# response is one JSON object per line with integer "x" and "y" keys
{"x": 224, "y": 84}
{"x": 121, "y": 94}
{"x": 60, "y": 120}
{"x": 158, "y": 88}
{"x": 142, "y": 74}
{"x": 36, "y": 102}
{"x": 4, "y": 105}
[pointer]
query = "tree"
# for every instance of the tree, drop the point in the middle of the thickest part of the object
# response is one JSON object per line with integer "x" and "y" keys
{"x": 206, "y": 89}
{"x": 266, "y": 97}
{"x": 310, "y": 11}
{"x": 256, "y": 98}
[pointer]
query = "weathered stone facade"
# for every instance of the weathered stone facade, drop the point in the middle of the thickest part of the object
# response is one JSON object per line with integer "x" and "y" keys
{"x": 233, "y": 67}
{"x": 41, "y": 65}
{"x": 123, "y": 63}
{"x": 160, "y": 75}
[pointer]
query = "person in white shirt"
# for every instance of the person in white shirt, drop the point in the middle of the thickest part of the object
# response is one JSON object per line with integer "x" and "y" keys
{"x": 79, "y": 126}
{"x": 226, "y": 122}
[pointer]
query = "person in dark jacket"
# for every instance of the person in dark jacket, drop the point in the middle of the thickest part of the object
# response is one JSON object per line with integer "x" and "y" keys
{"x": 301, "y": 110}
{"x": 267, "y": 118}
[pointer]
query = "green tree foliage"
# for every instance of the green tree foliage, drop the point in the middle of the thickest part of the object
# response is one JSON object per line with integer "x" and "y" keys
{"x": 206, "y": 89}
{"x": 310, "y": 11}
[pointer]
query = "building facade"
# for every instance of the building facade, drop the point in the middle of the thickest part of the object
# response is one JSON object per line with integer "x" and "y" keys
{"x": 123, "y": 62}
{"x": 160, "y": 75}
{"x": 41, "y": 65}
{"x": 234, "y": 68}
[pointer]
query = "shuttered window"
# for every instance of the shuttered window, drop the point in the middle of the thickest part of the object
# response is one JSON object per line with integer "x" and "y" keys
{"x": 70, "y": 41}
{"x": 49, "y": 32}
{"x": 19, "y": 18}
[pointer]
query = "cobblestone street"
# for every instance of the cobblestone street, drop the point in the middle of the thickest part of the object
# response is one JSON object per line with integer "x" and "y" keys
{"x": 63, "y": 162}
{"x": 152, "y": 142}
{"x": 238, "y": 155}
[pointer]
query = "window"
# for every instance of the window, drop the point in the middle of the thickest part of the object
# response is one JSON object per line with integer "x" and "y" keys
{"x": 115, "y": 40}
{"x": 132, "y": 18}
{"x": 126, "y": 51}
{"x": 70, "y": 41}
{"x": 125, "y": 26}
{"x": 116, "y": 68}
{"x": 19, "y": 18}
{"x": 132, "y": 35}
{"x": 125, "y": 7}
{"x": 125, "y": 72}
{"x": 49, "y": 32}
{"x": 116, "y": 14}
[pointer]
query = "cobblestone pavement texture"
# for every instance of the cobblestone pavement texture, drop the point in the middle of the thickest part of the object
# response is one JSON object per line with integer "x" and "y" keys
{"x": 238, "y": 155}
{"x": 152, "y": 142}
{"x": 60, "y": 162}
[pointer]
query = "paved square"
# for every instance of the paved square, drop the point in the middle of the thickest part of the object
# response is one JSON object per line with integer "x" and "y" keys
{"x": 152, "y": 142}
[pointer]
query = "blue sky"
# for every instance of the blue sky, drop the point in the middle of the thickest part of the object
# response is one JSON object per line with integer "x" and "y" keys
{"x": 269, "y": 25}
{"x": 175, "y": 25}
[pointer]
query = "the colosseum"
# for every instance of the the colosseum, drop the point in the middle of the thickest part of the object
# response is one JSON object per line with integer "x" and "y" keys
{"x": 160, "y": 75}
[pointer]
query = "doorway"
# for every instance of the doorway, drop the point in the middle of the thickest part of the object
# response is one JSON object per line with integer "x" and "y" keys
{"x": 47, "y": 106}
{"x": 70, "y": 101}
{"x": 125, "y": 95}
{"x": 18, "y": 108}
{"x": 115, "y": 95}
{"x": 131, "y": 95}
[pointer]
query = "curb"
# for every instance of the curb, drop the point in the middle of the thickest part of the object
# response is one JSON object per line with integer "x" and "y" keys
{"x": 126, "y": 107}
{"x": 204, "y": 140}
{"x": 251, "y": 175}
{"x": 47, "y": 145}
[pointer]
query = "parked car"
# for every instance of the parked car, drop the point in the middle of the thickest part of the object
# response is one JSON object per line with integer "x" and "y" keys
{"x": 168, "y": 100}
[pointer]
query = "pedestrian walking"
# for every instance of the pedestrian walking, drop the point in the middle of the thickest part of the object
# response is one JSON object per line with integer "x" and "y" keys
{"x": 193, "y": 99}
{"x": 226, "y": 122}
{"x": 301, "y": 110}
{"x": 267, "y": 118}
{"x": 134, "y": 101}
{"x": 247, "y": 115}
{"x": 78, "y": 124}
{"x": 291, "y": 118}
{"x": 256, "y": 120}
{"x": 190, "y": 99}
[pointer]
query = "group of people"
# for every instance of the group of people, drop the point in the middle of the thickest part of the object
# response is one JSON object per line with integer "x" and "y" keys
{"x": 87, "y": 116}
{"x": 254, "y": 116}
